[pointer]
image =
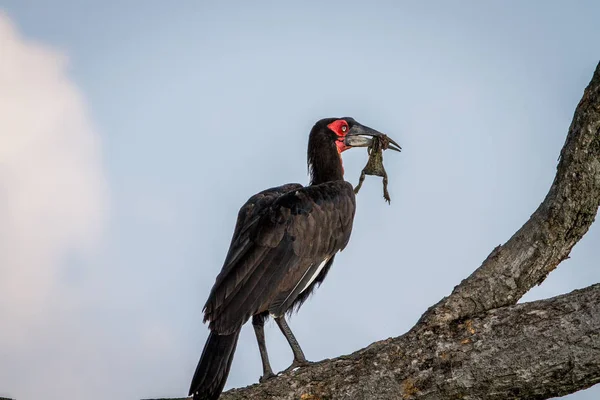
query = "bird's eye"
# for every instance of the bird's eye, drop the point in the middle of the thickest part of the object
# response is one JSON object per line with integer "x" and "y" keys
{"x": 344, "y": 128}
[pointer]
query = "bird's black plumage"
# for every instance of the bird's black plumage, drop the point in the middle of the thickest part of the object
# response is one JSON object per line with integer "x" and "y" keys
{"x": 283, "y": 245}
{"x": 282, "y": 235}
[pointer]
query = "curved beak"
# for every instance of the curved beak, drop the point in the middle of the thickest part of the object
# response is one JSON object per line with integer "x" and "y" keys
{"x": 362, "y": 136}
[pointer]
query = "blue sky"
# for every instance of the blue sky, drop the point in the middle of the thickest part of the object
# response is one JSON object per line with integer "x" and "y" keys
{"x": 177, "y": 114}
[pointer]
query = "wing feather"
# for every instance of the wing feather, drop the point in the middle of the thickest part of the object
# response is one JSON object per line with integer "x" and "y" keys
{"x": 281, "y": 238}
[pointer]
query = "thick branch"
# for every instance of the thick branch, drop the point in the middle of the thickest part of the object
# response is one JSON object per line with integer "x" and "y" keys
{"x": 547, "y": 238}
{"x": 535, "y": 350}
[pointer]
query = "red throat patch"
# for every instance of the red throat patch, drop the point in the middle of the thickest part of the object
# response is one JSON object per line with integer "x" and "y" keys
{"x": 341, "y": 146}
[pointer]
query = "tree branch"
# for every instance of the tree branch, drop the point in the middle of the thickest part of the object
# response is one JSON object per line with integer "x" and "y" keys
{"x": 547, "y": 238}
{"x": 534, "y": 350}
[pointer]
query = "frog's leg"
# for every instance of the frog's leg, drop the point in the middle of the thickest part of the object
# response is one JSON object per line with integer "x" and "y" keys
{"x": 360, "y": 181}
{"x": 386, "y": 195}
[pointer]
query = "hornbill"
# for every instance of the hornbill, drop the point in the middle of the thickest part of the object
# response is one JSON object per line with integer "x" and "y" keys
{"x": 283, "y": 244}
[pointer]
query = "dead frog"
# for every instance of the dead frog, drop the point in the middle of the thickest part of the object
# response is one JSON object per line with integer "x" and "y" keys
{"x": 375, "y": 163}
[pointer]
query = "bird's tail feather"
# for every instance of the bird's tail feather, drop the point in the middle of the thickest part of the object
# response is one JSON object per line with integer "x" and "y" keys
{"x": 213, "y": 367}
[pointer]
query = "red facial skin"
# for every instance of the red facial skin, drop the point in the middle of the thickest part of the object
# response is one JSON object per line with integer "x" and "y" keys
{"x": 340, "y": 128}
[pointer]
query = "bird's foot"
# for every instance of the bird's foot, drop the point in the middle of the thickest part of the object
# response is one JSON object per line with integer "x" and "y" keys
{"x": 297, "y": 364}
{"x": 266, "y": 376}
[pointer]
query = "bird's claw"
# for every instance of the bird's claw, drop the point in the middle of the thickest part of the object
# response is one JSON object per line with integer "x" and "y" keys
{"x": 266, "y": 376}
{"x": 297, "y": 364}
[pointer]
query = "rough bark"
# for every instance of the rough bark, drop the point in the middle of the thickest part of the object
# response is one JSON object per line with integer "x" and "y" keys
{"x": 477, "y": 343}
{"x": 535, "y": 350}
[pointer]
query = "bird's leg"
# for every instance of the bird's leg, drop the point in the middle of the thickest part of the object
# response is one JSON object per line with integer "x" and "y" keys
{"x": 299, "y": 359}
{"x": 258, "y": 322}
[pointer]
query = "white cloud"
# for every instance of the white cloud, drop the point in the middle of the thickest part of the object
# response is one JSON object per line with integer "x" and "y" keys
{"x": 53, "y": 196}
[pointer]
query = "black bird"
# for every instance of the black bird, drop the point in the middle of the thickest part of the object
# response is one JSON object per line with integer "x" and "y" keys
{"x": 284, "y": 242}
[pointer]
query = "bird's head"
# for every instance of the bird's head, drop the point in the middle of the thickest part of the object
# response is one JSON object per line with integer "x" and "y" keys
{"x": 344, "y": 133}
{"x": 341, "y": 134}
{"x": 349, "y": 133}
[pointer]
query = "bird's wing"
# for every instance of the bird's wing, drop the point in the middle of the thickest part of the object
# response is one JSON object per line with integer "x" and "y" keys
{"x": 295, "y": 296}
{"x": 280, "y": 237}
